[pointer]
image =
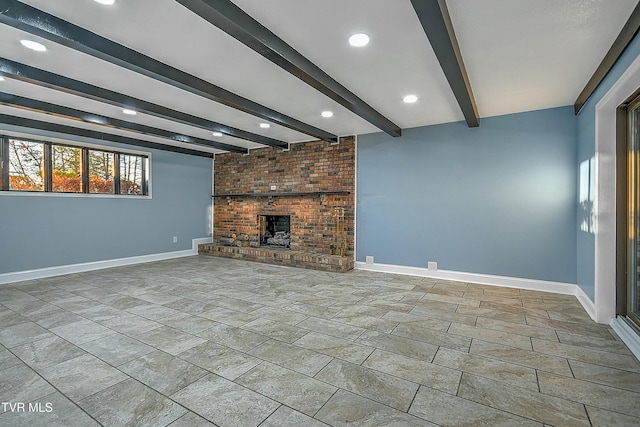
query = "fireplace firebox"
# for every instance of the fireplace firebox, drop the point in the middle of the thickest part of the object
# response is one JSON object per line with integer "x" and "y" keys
{"x": 275, "y": 231}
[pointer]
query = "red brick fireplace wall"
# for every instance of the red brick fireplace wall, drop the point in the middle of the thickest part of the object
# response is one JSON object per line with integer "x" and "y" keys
{"x": 316, "y": 166}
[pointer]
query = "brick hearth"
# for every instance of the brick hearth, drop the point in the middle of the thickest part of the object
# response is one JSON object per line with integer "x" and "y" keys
{"x": 289, "y": 258}
{"x": 315, "y": 185}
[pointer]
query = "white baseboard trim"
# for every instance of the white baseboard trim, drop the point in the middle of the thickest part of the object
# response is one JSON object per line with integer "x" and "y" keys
{"x": 21, "y": 276}
{"x": 627, "y": 335}
{"x": 487, "y": 279}
{"x": 586, "y": 302}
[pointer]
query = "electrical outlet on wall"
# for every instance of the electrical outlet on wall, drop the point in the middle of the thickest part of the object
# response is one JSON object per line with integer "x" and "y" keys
{"x": 432, "y": 265}
{"x": 175, "y": 239}
{"x": 369, "y": 260}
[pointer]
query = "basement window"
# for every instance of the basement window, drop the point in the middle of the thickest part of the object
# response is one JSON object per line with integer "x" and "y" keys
{"x": 131, "y": 174}
{"x": 66, "y": 167}
{"x": 101, "y": 172}
{"x": 24, "y": 162}
{"x": 48, "y": 167}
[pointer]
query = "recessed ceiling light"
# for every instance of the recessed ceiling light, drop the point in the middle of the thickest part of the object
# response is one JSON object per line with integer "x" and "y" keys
{"x": 327, "y": 114}
{"x": 265, "y": 125}
{"x": 359, "y": 40}
{"x": 410, "y": 99}
{"x": 30, "y": 44}
{"x": 217, "y": 134}
{"x": 130, "y": 112}
{"x": 107, "y": 2}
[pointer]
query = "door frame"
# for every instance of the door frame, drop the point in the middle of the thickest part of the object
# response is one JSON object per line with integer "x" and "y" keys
{"x": 623, "y": 191}
{"x": 606, "y": 215}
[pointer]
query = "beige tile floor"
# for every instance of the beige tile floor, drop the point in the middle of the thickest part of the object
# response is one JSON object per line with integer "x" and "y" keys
{"x": 207, "y": 341}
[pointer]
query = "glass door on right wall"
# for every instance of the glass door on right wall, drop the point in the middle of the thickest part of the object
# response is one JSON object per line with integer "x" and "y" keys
{"x": 633, "y": 215}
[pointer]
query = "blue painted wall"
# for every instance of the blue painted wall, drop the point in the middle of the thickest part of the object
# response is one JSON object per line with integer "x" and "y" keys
{"x": 44, "y": 231}
{"x": 586, "y": 149}
{"x": 499, "y": 199}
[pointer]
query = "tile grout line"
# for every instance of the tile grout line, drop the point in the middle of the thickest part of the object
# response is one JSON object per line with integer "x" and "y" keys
{"x": 73, "y": 401}
{"x": 494, "y": 407}
{"x": 114, "y": 289}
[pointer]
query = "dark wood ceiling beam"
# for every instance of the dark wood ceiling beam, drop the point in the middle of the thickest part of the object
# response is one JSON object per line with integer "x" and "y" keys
{"x": 228, "y": 17}
{"x": 436, "y": 22}
{"x": 42, "y": 24}
{"x": 627, "y": 34}
{"x": 36, "y": 76}
{"x": 97, "y": 119}
{"x": 7, "y": 119}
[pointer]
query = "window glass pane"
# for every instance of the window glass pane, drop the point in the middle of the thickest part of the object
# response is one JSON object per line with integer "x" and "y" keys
{"x": 26, "y": 165}
{"x": 26, "y": 168}
{"x": 66, "y": 163}
{"x": 100, "y": 172}
{"x": 131, "y": 174}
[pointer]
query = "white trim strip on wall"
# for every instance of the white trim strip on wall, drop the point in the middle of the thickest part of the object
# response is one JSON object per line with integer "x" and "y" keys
{"x": 40, "y": 273}
{"x": 486, "y": 279}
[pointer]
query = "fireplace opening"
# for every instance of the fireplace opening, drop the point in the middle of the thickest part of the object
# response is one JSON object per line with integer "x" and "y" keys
{"x": 275, "y": 231}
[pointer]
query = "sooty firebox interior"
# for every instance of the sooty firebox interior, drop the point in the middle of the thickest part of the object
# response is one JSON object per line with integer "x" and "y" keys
{"x": 275, "y": 230}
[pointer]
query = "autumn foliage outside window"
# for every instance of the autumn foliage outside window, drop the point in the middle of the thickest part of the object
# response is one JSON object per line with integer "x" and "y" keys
{"x": 43, "y": 166}
{"x": 66, "y": 169}
{"x": 101, "y": 173}
{"x": 26, "y": 166}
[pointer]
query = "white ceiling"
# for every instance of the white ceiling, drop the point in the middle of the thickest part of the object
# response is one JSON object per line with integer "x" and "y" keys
{"x": 524, "y": 55}
{"x": 520, "y": 55}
